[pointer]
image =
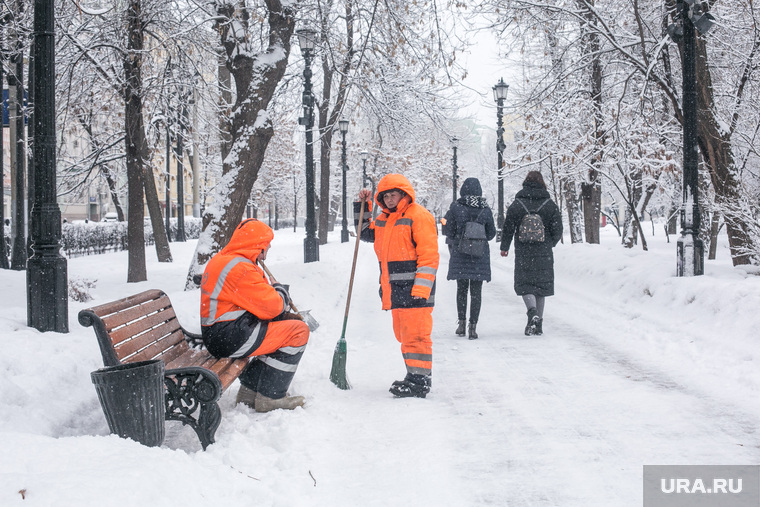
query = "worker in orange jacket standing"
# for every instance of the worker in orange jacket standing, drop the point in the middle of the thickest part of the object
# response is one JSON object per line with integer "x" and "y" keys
{"x": 243, "y": 315}
{"x": 405, "y": 237}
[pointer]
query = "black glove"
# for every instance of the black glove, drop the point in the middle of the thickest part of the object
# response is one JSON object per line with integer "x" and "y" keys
{"x": 283, "y": 292}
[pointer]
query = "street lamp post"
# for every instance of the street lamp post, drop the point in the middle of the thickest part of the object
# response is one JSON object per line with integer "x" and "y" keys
{"x": 343, "y": 125}
{"x": 168, "y": 183}
{"x": 690, "y": 249}
{"x": 306, "y": 40}
{"x": 181, "y": 166}
{"x": 364, "y": 155}
{"x": 46, "y": 275}
{"x": 499, "y": 94}
{"x": 295, "y": 204}
{"x": 454, "y": 144}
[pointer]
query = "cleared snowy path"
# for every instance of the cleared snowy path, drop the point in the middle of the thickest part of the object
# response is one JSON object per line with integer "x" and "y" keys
{"x": 565, "y": 419}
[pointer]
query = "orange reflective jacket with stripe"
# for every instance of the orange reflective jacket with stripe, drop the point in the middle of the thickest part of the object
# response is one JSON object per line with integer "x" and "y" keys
{"x": 233, "y": 283}
{"x": 406, "y": 244}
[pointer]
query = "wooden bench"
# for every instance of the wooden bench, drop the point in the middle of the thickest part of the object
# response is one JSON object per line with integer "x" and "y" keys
{"x": 144, "y": 327}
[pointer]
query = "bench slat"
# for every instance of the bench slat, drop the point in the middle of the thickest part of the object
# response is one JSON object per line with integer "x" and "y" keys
{"x": 232, "y": 372}
{"x": 190, "y": 357}
{"x": 157, "y": 349}
{"x": 127, "y": 315}
{"x": 172, "y": 354}
{"x": 156, "y": 335}
{"x": 166, "y": 318}
{"x": 127, "y": 302}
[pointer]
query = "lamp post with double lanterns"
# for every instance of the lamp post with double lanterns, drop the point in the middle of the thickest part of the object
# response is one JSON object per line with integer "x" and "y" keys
{"x": 499, "y": 94}
{"x": 343, "y": 125}
{"x": 454, "y": 143}
{"x": 690, "y": 249}
{"x": 306, "y": 41}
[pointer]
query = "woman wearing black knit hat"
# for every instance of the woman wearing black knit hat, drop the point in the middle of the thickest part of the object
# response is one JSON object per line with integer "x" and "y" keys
{"x": 470, "y": 270}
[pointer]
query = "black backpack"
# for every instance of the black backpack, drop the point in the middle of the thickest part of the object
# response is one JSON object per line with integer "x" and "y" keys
{"x": 473, "y": 240}
{"x": 531, "y": 228}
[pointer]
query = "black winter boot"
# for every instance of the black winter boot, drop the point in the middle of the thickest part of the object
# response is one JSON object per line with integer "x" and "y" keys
{"x": 539, "y": 326}
{"x": 461, "y": 327}
{"x": 533, "y": 318}
{"x": 417, "y": 386}
{"x": 473, "y": 335}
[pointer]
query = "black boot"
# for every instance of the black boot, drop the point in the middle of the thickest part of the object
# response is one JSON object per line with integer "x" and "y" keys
{"x": 539, "y": 326}
{"x": 461, "y": 327}
{"x": 533, "y": 318}
{"x": 417, "y": 386}
{"x": 473, "y": 334}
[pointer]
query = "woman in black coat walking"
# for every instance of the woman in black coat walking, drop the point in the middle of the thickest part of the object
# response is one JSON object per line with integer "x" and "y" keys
{"x": 469, "y": 271}
{"x": 534, "y": 260}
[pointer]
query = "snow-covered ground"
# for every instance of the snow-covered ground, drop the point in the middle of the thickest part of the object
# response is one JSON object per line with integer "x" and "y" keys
{"x": 635, "y": 367}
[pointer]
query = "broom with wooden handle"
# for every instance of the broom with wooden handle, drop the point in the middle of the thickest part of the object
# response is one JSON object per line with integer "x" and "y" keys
{"x": 338, "y": 372}
{"x": 305, "y": 315}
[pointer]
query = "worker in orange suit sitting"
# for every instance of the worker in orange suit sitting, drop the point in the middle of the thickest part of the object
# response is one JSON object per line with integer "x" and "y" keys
{"x": 243, "y": 315}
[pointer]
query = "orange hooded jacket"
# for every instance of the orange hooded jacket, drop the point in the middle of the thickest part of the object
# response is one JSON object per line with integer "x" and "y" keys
{"x": 232, "y": 282}
{"x": 406, "y": 244}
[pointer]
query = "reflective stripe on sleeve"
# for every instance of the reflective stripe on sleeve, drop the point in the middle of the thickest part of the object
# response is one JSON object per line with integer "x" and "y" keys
{"x": 213, "y": 298}
{"x": 424, "y": 282}
{"x": 427, "y": 270}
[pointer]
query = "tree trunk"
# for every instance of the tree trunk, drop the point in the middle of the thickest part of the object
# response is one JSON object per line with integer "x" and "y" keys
{"x": 592, "y": 189}
{"x": 250, "y": 128}
{"x": 714, "y": 229}
{"x": 136, "y": 149}
{"x": 3, "y": 247}
{"x": 715, "y": 144}
{"x": 106, "y": 172}
{"x": 326, "y": 135}
{"x": 574, "y": 214}
{"x": 328, "y": 120}
{"x": 591, "y": 193}
{"x": 160, "y": 236}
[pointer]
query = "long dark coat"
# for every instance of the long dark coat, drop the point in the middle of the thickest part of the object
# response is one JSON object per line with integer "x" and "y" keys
{"x": 461, "y": 266}
{"x": 534, "y": 262}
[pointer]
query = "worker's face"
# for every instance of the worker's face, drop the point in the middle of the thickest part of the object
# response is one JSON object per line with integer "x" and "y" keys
{"x": 392, "y": 198}
{"x": 263, "y": 255}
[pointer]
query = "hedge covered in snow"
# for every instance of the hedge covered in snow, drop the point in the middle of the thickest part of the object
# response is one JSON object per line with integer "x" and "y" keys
{"x": 88, "y": 238}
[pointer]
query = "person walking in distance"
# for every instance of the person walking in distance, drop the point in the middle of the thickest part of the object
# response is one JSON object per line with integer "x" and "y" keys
{"x": 405, "y": 238}
{"x": 468, "y": 269}
{"x": 243, "y": 315}
{"x": 534, "y": 222}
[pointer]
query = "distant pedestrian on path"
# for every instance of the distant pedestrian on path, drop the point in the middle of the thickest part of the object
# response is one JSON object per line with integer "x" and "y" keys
{"x": 469, "y": 271}
{"x": 405, "y": 237}
{"x": 535, "y": 223}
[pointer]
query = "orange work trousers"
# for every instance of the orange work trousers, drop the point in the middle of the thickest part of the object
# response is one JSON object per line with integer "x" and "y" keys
{"x": 413, "y": 327}
{"x": 283, "y": 333}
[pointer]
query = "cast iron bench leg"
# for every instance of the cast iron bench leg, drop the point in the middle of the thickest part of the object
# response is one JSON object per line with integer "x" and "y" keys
{"x": 194, "y": 389}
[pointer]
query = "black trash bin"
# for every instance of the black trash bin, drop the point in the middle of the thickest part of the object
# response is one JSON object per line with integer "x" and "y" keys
{"x": 132, "y": 397}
